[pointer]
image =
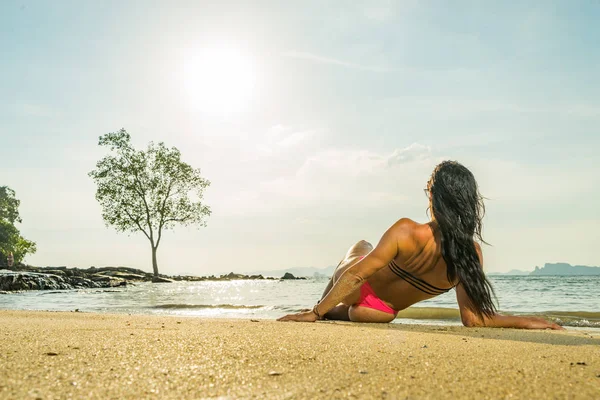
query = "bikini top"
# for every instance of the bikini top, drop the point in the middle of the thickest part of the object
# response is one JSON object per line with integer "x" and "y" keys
{"x": 417, "y": 283}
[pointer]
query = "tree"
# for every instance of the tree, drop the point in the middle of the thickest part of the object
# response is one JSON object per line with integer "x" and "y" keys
{"x": 148, "y": 191}
{"x": 11, "y": 240}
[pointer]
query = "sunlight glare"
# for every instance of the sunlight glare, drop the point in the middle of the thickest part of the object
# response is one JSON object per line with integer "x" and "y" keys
{"x": 220, "y": 80}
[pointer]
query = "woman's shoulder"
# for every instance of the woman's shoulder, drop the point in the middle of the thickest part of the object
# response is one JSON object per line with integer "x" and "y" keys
{"x": 409, "y": 230}
{"x": 407, "y": 224}
{"x": 405, "y": 229}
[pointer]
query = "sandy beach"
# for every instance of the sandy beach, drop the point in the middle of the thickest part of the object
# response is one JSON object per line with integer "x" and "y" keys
{"x": 77, "y": 355}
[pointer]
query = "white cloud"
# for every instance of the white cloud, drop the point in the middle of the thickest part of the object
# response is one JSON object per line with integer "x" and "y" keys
{"x": 334, "y": 61}
{"x": 280, "y": 138}
{"x": 413, "y": 152}
{"x": 288, "y": 169}
{"x": 343, "y": 179}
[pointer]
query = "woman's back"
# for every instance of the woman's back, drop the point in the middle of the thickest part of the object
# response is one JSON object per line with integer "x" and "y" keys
{"x": 418, "y": 272}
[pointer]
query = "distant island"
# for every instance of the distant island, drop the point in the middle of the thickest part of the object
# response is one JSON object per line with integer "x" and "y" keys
{"x": 560, "y": 269}
{"x": 565, "y": 269}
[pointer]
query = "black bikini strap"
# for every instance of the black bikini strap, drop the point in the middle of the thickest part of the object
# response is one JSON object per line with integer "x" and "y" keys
{"x": 416, "y": 282}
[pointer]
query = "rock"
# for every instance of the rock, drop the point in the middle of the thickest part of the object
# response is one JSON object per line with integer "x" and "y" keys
{"x": 287, "y": 275}
{"x": 97, "y": 270}
{"x": 26, "y": 277}
{"x": 232, "y": 276}
{"x": 19, "y": 280}
{"x": 58, "y": 272}
{"x": 158, "y": 279}
{"x": 101, "y": 278}
{"x": 123, "y": 275}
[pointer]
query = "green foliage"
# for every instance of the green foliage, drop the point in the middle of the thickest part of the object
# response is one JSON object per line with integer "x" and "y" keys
{"x": 11, "y": 240}
{"x": 148, "y": 191}
{"x": 9, "y": 205}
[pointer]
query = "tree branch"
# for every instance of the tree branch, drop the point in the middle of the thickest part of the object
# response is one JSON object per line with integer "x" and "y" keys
{"x": 179, "y": 219}
{"x": 137, "y": 222}
{"x": 143, "y": 196}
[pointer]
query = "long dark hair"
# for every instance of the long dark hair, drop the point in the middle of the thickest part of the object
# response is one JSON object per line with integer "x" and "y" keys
{"x": 458, "y": 210}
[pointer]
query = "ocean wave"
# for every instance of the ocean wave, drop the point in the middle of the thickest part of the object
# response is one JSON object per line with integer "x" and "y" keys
{"x": 201, "y": 306}
{"x": 585, "y": 319}
{"x": 588, "y": 319}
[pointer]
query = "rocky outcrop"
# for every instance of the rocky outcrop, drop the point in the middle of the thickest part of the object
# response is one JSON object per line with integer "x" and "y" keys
{"x": 23, "y": 280}
{"x": 13, "y": 281}
{"x": 287, "y": 275}
{"x": 228, "y": 277}
{"x": 160, "y": 279}
{"x": 25, "y": 277}
{"x": 63, "y": 278}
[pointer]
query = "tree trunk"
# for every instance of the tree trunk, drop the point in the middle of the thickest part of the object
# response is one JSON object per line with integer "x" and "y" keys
{"x": 154, "y": 263}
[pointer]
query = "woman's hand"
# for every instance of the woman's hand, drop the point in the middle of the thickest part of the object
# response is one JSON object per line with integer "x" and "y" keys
{"x": 307, "y": 316}
{"x": 540, "y": 323}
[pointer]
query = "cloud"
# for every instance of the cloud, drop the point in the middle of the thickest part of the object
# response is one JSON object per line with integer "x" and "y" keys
{"x": 281, "y": 137}
{"x": 361, "y": 162}
{"x": 413, "y": 152}
{"x": 333, "y": 179}
{"x": 318, "y": 59}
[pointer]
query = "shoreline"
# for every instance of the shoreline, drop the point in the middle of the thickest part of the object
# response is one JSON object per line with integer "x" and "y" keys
{"x": 93, "y": 355}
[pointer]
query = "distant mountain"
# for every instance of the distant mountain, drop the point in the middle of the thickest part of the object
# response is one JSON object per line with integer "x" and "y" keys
{"x": 565, "y": 269}
{"x": 299, "y": 271}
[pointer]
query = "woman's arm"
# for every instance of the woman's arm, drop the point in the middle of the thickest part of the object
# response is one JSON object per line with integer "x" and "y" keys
{"x": 471, "y": 319}
{"x": 354, "y": 276}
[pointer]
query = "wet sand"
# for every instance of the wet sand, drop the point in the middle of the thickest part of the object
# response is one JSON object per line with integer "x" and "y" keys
{"x": 78, "y": 355}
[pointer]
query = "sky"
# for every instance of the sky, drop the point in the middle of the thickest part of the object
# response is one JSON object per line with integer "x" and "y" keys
{"x": 317, "y": 123}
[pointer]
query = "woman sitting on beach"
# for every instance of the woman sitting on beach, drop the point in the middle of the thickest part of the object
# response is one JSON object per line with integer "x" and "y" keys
{"x": 415, "y": 262}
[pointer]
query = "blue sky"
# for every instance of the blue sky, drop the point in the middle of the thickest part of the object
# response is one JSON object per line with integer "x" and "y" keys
{"x": 350, "y": 107}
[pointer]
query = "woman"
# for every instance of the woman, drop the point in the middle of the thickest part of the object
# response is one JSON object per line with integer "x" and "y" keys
{"x": 415, "y": 262}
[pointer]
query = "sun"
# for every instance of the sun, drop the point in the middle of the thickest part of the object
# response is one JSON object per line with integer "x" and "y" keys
{"x": 220, "y": 80}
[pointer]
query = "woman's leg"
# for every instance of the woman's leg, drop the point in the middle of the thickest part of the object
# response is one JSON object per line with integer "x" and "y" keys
{"x": 353, "y": 255}
{"x": 348, "y": 310}
{"x": 366, "y": 314}
{"x": 330, "y": 283}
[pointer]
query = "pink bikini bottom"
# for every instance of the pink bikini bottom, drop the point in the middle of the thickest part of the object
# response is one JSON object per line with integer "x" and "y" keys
{"x": 369, "y": 299}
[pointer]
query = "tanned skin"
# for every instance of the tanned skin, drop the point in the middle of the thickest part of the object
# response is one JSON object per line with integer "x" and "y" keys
{"x": 417, "y": 249}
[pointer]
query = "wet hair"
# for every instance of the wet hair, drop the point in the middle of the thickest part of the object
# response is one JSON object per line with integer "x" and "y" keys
{"x": 458, "y": 209}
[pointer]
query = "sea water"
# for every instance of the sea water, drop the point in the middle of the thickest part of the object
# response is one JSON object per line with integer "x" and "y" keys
{"x": 568, "y": 300}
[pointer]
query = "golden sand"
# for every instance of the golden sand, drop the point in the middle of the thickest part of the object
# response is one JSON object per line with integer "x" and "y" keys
{"x": 75, "y": 355}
